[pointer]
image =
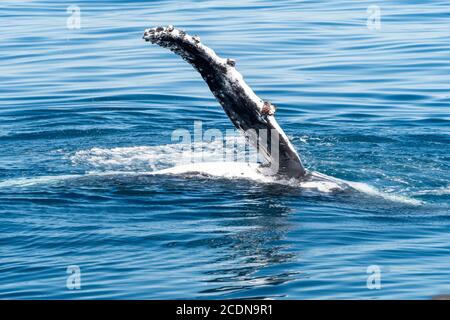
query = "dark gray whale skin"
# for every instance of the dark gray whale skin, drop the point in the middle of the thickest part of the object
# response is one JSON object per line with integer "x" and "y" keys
{"x": 244, "y": 108}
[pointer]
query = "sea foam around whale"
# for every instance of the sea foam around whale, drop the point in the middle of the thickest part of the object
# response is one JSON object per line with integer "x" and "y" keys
{"x": 175, "y": 159}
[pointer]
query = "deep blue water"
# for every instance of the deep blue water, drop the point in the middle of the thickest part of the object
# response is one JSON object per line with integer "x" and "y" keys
{"x": 365, "y": 105}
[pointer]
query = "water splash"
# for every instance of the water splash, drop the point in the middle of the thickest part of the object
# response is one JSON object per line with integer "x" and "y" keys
{"x": 171, "y": 160}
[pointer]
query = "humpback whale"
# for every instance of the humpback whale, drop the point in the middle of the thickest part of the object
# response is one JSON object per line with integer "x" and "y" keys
{"x": 246, "y": 110}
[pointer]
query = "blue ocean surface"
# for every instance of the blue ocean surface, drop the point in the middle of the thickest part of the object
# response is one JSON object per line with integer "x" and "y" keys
{"x": 87, "y": 112}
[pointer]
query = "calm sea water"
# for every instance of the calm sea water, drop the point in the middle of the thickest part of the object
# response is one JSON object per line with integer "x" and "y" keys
{"x": 86, "y": 113}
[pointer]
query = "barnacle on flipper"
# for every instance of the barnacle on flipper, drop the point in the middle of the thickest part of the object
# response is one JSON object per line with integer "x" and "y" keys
{"x": 268, "y": 109}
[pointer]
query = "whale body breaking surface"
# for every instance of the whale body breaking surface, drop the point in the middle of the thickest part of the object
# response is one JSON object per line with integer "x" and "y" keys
{"x": 249, "y": 113}
{"x": 245, "y": 110}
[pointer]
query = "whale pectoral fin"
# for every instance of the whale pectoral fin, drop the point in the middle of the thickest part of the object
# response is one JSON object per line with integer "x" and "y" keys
{"x": 244, "y": 108}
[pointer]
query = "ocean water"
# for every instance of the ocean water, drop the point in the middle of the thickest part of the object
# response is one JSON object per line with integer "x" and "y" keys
{"x": 87, "y": 178}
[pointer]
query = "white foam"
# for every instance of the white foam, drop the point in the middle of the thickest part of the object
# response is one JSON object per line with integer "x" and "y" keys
{"x": 152, "y": 158}
{"x": 372, "y": 191}
{"x": 435, "y": 192}
{"x": 171, "y": 160}
{"x": 31, "y": 181}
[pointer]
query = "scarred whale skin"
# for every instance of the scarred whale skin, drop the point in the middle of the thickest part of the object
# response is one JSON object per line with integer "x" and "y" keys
{"x": 245, "y": 109}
